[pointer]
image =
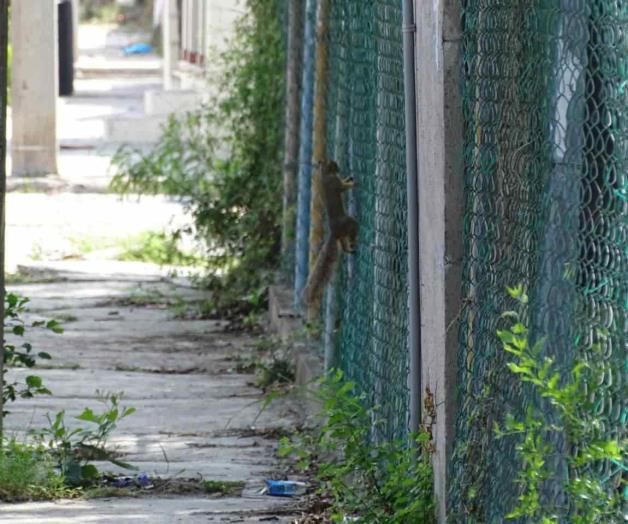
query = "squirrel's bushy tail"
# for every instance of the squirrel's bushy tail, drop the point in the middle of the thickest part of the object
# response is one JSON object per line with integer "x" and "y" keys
{"x": 323, "y": 269}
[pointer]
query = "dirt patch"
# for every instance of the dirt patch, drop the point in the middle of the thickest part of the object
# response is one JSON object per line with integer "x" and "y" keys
{"x": 267, "y": 433}
{"x": 111, "y": 486}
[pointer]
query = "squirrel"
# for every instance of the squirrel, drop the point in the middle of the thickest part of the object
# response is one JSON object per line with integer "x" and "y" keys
{"x": 343, "y": 230}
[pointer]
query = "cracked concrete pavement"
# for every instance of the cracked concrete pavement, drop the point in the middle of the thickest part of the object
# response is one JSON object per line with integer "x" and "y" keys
{"x": 196, "y": 414}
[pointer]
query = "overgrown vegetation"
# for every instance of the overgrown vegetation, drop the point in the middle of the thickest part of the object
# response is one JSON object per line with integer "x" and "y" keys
{"x": 22, "y": 355}
{"x": 224, "y": 162}
{"x": 379, "y": 482}
{"x": 590, "y": 497}
{"x": 73, "y": 449}
{"x": 28, "y": 473}
{"x": 157, "y": 248}
{"x": 61, "y": 459}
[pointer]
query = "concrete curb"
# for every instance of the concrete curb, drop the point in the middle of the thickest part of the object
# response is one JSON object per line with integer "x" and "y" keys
{"x": 287, "y": 324}
{"x": 308, "y": 362}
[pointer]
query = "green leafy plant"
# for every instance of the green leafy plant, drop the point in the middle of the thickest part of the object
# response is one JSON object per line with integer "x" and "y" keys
{"x": 28, "y": 473}
{"x": 573, "y": 418}
{"x": 74, "y": 448}
{"x": 224, "y": 162}
{"x": 22, "y": 355}
{"x": 157, "y": 248}
{"x": 372, "y": 481}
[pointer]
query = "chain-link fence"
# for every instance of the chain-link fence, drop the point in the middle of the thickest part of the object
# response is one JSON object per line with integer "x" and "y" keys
{"x": 545, "y": 110}
{"x": 366, "y": 307}
{"x": 546, "y": 116}
{"x": 365, "y": 134}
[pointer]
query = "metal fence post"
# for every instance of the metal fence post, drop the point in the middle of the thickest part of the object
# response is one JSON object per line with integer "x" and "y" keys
{"x": 293, "y": 117}
{"x": 414, "y": 321}
{"x": 317, "y": 228}
{"x": 4, "y": 42}
{"x": 305, "y": 156}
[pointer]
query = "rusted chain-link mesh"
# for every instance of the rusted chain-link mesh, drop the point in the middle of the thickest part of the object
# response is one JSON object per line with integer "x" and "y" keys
{"x": 365, "y": 135}
{"x": 546, "y": 173}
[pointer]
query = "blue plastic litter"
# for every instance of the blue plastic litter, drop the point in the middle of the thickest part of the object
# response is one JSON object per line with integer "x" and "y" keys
{"x": 138, "y": 49}
{"x": 143, "y": 480}
{"x": 285, "y": 488}
{"x": 123, "y": 482}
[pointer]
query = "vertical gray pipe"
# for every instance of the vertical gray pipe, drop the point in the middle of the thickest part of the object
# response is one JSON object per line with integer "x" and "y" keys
{"x": 304, "y": 189}
{"x": 293, "y": 118}
{"x": 414, "y": 318}
{"x": 4, "y": 37}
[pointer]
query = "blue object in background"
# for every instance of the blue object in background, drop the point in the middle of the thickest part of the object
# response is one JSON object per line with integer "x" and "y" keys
{"x": 285, "y": 488}
{"x": 138, "y": 49}
{"x": 143, "y": 480}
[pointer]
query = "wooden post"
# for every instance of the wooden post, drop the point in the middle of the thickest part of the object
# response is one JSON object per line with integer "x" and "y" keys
{"x": 317, "y": 228}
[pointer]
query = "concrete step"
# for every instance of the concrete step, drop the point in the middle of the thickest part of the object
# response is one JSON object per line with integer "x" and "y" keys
{"x": 160, "y": 102}
{"x": 98, "y": 67}
{"x": 134, "y": 128}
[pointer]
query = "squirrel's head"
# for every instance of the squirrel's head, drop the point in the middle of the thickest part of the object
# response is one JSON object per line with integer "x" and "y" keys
{"x": 329, "y": 166}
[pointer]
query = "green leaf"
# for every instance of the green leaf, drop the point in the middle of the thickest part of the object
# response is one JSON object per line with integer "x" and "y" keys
{"x": 43, "y": 355}
{"x": 33, "y": 381}
{"x": 519, "y": 328}
{"x": 54, "y": 326}
{"x": 88, "y": 416}
{"x": 520, "y": 370}
{"x": 89, "y": 472}
{"x": 72, "y": 472}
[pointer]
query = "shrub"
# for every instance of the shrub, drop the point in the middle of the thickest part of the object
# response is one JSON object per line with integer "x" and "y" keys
{"x": 224, "y": 160}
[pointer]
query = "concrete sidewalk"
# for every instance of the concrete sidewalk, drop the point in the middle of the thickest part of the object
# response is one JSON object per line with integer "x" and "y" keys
{"x": 196, "y": 415}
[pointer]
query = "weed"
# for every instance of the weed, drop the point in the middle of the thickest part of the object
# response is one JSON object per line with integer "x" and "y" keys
{"x": 141, "y": 298}
{"x": 90, "y": 244}
{"x": 73, "y": 449}
{"x": 66, "y": 318}
{"x": 276, "y": 372}
{"x": 373, "y": 482}
{"x": 67, "y": 365}
{"x": 157, "y": 248}
{"x": 22, "y": 355}
{"x": 20, "y": 278}
{"x": 27, "y": 473}
{"x": 106, "y": 492}
{"x": 223, "y": 487}
{"x": 168, "y": 486}
{"x": 37, "y": 252}
{"x": 590, "y": 499}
